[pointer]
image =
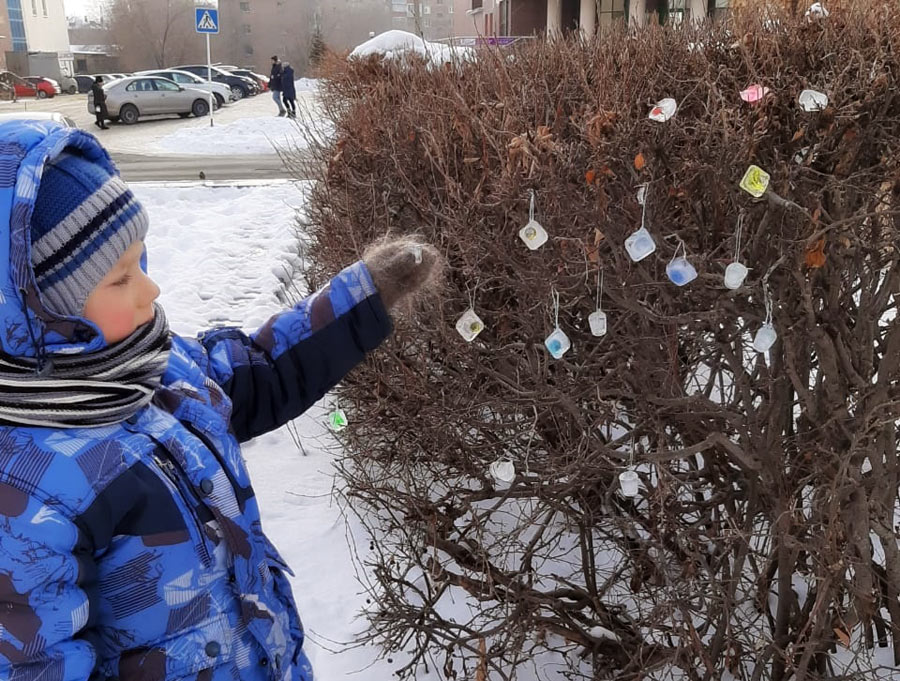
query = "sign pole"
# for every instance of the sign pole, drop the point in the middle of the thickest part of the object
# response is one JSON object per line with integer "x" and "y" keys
{"x": 209, "y": 78}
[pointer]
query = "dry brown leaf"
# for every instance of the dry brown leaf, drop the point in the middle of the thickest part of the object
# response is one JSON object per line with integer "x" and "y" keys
{"x": 815, "y": 256}
{"x": 843, "y": 636}
{"x": 598, "y": 237}
{"x": 593, "y": 253}
{"x": 797, "y": 135}
{"x": 590, "y": 176}
{"x": 639, "y": 161}
{"x": 599, "y": 126}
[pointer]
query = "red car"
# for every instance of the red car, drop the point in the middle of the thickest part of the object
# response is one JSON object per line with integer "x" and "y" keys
{"x": 35, "y": 87}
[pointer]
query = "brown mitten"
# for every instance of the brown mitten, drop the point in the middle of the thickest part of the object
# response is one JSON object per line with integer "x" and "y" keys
{"x": 401, "y": 267}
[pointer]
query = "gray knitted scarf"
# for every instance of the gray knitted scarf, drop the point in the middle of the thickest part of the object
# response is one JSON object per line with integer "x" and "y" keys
{"x": 81, "y": 391}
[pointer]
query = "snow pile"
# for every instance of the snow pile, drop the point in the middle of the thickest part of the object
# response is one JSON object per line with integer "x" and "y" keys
{"x": 263, "y": 135}
{"x": 306, "y": 85}
{"x": 397, "y": 44}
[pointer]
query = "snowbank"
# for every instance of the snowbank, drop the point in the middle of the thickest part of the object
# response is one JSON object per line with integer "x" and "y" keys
{"x": 397, "y": 44}
{"x": 307, "y": 85}
{"x": 262, "y": 135}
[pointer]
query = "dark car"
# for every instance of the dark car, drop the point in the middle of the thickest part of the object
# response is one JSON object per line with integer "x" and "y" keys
{"x": 245, "y": 73}
{"x": 240, "y": 87}
{"x": 84, "y": 83}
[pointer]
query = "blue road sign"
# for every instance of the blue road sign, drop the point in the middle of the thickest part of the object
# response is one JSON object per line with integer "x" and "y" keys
{"x": 207, "y": 20}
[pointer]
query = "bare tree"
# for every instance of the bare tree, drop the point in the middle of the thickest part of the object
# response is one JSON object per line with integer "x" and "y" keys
{"x": 154, "y": 33}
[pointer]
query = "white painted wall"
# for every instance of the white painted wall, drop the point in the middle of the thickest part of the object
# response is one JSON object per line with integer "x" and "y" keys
{"x": 45, "y": 26}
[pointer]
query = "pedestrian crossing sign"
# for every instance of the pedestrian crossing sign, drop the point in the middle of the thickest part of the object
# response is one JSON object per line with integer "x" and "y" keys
{"x": 207, "y": 20}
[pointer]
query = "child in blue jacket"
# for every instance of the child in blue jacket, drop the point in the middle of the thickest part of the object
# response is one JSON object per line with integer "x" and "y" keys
{"x": 130, "y": 539}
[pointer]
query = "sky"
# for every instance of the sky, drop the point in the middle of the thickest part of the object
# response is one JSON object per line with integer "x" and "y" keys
{"x": 81, "y": 8}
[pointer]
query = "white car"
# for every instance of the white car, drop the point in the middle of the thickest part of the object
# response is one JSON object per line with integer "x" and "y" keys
{"x": 38, "y": 116}
{"x": 221, "y": 92}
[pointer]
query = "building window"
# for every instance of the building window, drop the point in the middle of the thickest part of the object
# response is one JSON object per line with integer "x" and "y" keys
{"x": 450, "y": 9}
{"x": 34, "y": 7}
{"x": 609, "y": 11}
{"x": 248, "y": 49}
{"x": 718, "y": 8}
{"x": 674, "y": 11}
{"x": 245, "y": 6}
{"x": 398, "y": 21}
{"x": 476, "y": 4}
{"x": 247, "y": 28}
{"x": 44, "y": 5}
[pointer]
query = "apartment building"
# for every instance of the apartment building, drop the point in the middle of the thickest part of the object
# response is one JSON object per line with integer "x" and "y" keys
{"x": 37, "y": 38}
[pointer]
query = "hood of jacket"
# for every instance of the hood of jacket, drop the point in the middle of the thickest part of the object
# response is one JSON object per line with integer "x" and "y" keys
{"x": 27, "y": 328}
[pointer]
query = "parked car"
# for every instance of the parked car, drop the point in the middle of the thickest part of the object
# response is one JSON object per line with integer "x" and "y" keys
{"x": 84, "y": 83}
{"x": 106, "y": 77}
{"x": 40, "y": 83}
{"x": 68, "y": 84}
{"x": 261, "y": 83}
{"x": 127, "y": 99}
{"x": 220, "y": 91}
{"x": 38, "y": 116}
{"x": 41, "y": 89}
{"x": 241, "y": 87}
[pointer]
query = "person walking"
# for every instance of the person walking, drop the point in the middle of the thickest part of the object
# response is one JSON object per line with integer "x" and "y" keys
{"x": 100, "y": 110}
{"x": 275, "y": 83}
{"x": 288, "y": 92}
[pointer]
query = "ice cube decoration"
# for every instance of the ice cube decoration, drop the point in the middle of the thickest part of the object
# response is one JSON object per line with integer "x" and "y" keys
{"x": 337, "y": 420}
{"x": 503, "y": 470}
{"x": 469, "y": 325}
{"x": 735, "y": 274}
{"x": 664, "y": 110}
{"x": 765, "y": 338}
{"x": 755, "y": 181}
{"x": 629, "y": 483}
{"x": 557, "y": 343}
{"x": 597, "y": 321}
{"x": 533, "y": 234}
{"x": 812, "y": 100}
{"x": 681, "y": 272}
{"x": 640, "y": 244}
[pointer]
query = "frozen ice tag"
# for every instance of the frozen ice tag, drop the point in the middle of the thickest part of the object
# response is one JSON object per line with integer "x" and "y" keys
{"x": 680, "y": 271}
{"x": 664, "y": 110}
{"x": 642, "y": 194}
{"x": 640, "y": 244}
{"x": 755, "y": 181}
{"x": 503, "y": 470}
{"x": 557, "y": 343}
{"x": 629, "y": 482}
{"x": 416, "y": 253}
{"x": 765, "y": 338}
{"x": 533, "y": 234}
{"x": 754, "y": 94}
{"x": 735, "y": 274}
{"x": 469, "y": 325}
{"x": 812, "y": 100}
{"x": 337, "y": 420}
{"x": 597, "y": 320}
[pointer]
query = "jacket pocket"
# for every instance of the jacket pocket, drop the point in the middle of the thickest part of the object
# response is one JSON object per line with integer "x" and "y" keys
{"x": 206, "y": 645}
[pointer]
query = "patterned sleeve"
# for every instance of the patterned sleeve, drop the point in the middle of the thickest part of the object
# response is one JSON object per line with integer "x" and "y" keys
{"x": 43, "y": 608}
{"x": 278, "y": 372}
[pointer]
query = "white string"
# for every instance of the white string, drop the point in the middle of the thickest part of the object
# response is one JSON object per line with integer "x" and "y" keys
{"x": 737, "y": 238}
{"x": 768, "y": 301}
{"x": 599, "y": 286}
{"x": 471, "y": 294}
{"x": 678, "y": 248}
{"x": 644, "y": 210}
{"x": 554, "y": 294}
{"x": 631, "y": 454}
{"x": 531, "y": 206}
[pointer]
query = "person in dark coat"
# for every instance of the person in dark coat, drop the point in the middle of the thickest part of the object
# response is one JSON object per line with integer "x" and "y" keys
{"x": 100, "y": 110}
{"x": 275, "y": 84}
{"x": 288, "y": 92}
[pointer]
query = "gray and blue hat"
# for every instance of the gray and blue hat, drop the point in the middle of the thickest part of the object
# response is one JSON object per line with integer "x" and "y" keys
{"x": 84, "y": 220}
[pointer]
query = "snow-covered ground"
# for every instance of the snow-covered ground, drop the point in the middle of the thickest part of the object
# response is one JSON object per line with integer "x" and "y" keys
{"x": 396, "y": 44}
{"x": 218, "y": 254}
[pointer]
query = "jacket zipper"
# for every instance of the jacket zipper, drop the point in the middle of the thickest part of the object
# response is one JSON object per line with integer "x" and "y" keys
{"x": 171, "y": 472}
{"x": 219, "y": 457}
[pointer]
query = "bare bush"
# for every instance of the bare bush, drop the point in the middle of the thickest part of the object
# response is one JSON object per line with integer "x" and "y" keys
{"x": 762, "y": 543}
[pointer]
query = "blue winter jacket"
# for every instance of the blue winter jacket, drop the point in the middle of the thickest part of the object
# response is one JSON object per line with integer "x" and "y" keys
{"x": 135, "y": 551}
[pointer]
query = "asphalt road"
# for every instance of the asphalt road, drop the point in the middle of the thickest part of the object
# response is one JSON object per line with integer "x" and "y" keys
{"x": 126, "y": 142}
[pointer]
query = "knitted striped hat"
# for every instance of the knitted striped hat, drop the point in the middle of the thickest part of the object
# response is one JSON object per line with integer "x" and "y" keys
{"x": 84, "y": 220}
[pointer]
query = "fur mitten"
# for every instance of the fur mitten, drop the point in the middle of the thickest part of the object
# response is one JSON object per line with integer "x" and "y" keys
{"x": 401, "y": 267}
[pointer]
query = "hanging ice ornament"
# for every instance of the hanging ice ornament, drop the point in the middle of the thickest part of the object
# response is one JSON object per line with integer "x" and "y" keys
{"x": 503, "y": 470}
{"x": 337, "y": 420}
{"x": 597, "y": 321}
{"x": 755, "y": 181}
{"x": 629, "y": 482}
{"x": 754, "y": 94}
{"x": 417, "y": 253}
{"x": 533, "y": 233}
{"x": 640, "y": 244}
{"x": 735, "y": 274}
{"x": 664, "y": 110}
{"x": 680, "y": 271}
{"x": 812, "y": 100}
{"x": 765, "y": 338}
{"x": 469, "y": 325}
{"x": 557, "y": 343}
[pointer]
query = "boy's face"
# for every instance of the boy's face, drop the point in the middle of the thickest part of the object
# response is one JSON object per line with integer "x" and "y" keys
{"x": 123, "y": 300}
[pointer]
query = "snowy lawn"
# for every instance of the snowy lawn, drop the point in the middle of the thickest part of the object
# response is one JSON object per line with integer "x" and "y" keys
{"x": 218, "y": 254}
